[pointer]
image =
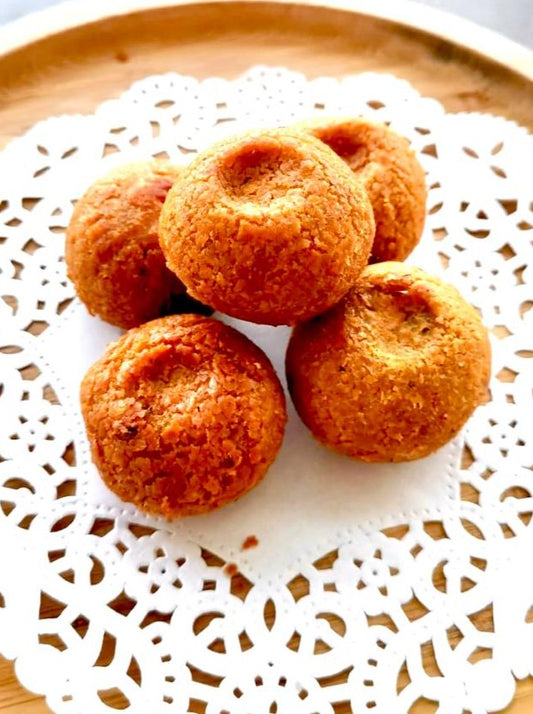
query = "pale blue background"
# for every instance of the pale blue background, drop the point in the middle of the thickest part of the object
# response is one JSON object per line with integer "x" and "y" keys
{"x": 513, "y": 18}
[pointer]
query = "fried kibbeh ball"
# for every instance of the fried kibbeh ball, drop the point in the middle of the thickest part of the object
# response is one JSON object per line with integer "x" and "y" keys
{"x": 268, "y": 226}
{"x": 394, "y": 370}
{"x": 184, "y": 415}
{"x": 112, "y": 247}
{"x": 390, "y": 173}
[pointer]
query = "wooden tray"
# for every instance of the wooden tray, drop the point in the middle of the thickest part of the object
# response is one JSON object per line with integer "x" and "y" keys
{"x": 69, "y": 59}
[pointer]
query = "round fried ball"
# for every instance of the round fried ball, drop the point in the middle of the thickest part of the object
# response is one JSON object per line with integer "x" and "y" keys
{"x": 184, "y": 414}
{"x": 269, "y": 227}
{"x": 112, "y": 248}
{"x": 392, "y": 372}
{"x": 391, "y": 174}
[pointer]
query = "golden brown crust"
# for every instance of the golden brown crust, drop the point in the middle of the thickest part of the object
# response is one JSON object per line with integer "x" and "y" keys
{"x": 112, "y": 248}
{"x": 394, "y": 371}
{"x": 267, "y": 226}
{"x": 391, "y": 174}
{"x": 184, "y": 414}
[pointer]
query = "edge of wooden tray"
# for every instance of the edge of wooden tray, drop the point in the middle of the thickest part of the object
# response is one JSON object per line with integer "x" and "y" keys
{"x": 479, "y": 40}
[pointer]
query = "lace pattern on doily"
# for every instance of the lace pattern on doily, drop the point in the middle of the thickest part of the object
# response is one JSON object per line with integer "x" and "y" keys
{"x": 102, "y": 607}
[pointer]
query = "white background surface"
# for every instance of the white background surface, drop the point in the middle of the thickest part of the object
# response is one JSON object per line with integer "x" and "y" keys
{"x": 512, "y": 18}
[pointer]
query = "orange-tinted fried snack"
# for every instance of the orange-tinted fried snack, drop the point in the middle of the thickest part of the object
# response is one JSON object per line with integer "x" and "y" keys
{"x": 267, "y": 226}
{"x": 393, "y": 371}
{"x": 391, "y": 174}
{"x": 184, "y": 414}
{"x": 112, "y": 248}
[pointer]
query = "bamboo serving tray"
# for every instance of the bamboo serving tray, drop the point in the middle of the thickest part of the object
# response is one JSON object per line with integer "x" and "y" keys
{"x": 70, "y": 58}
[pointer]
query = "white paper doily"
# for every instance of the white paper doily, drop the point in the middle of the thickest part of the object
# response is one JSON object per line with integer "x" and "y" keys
{"x": 370, "y": 587}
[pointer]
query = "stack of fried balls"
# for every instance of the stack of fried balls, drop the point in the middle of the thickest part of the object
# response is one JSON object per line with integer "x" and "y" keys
{"x": 304, "y": 226}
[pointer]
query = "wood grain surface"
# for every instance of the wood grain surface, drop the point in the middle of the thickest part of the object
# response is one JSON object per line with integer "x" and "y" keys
{"x": 73, "y": 69}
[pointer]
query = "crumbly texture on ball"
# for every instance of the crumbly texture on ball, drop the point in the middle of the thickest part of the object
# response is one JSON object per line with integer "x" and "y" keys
{"x": 267, "y": 226}
{"x": 391, "y": 174}
{"x": 184, "y": 414}
{"x": 112, "y": 247}
{"x": 394, "y": 371}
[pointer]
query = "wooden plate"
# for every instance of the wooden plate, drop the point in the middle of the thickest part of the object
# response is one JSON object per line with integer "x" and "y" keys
{"x": 68, "y": 61}
{"x": 70, "y": 58}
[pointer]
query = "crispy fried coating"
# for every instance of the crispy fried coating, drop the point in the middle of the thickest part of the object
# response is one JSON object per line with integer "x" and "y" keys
{"x": 112, "y": 248}
{"x": 394, "y": 370}
{"x": 391, "y": 174}
{"x": 184, "y": 414}
{"x": 269, "y": 227}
